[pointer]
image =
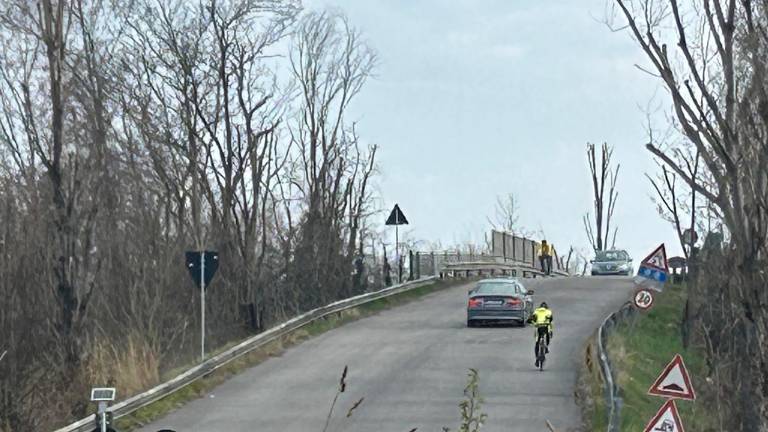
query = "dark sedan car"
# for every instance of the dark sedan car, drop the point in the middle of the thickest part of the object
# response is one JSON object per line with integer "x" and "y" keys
{"x": 499, "y": 300}
{"x": 612, "y": 262}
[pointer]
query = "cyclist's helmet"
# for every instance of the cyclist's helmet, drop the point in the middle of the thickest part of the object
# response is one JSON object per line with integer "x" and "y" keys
{"x": 544, "y": 305}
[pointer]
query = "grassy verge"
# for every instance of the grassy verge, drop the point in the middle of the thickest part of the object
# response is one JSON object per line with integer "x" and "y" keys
{"x": 639, "y": 350}
{"x": 202, "y": 386}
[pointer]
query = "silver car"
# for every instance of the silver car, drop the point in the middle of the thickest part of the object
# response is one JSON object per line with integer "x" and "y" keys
{"x": 612, "y": 262}
{"x": 499, "y": 300}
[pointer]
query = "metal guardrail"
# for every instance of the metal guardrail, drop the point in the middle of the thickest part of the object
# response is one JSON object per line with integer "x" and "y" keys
{"x": 613, "y": 399}
{"x": 491, "y": 268}
{"x": 162, "y": 390}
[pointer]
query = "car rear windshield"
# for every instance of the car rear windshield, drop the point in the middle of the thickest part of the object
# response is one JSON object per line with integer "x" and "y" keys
{"x": 495, "y": 288}
{"x": 611, "y": 256}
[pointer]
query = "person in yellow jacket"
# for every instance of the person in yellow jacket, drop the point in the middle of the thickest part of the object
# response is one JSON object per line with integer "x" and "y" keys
{"x": 545, "y": 256}
{"x": 542, "y": 319}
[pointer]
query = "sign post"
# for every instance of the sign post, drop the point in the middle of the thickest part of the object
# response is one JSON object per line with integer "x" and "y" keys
{"x": 102, "y": 395}
{"x": 690, "y": 237}
{"x": 397, "y": 218}
{"x": 202, "y": 307}
{"x": 202, "y": 266}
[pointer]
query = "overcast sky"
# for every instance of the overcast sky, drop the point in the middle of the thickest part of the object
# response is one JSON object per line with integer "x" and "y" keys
{"x": 479, "y": 98}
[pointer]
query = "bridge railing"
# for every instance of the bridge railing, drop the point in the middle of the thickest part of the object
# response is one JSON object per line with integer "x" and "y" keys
{"x": 509, "y": 255}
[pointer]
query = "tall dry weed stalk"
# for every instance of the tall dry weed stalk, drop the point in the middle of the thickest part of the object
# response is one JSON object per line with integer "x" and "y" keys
{"x": 342, "y": 389}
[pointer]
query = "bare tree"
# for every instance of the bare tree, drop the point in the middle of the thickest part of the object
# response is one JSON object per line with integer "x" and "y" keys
{"x": 567, "y": 260}
{"x": 715, "y": 72}
{"x": 330, "y": 63}
{"x": 674, "y": 205}
{"x": 130, "y": 133}
{"x": 599, "y": 233}
{"x": 506, "y": 214}
{"x": 56, "y": 123}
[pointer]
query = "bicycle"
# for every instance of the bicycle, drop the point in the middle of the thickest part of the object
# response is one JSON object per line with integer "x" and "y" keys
{"x": 541, "y": 348}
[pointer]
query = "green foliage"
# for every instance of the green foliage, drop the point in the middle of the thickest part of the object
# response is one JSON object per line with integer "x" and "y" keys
{"x": 472, "y": 418}
{"x": 639, "y": 350}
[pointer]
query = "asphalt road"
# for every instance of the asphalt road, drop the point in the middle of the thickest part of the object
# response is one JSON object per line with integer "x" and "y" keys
{"x": 410, "y": 364}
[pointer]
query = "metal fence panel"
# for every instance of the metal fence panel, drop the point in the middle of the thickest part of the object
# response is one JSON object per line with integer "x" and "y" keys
{"x": 519, "y": 249}
{"x": 535, "y": 256}
{"x": 425, "y": 263}
{"x": 509, "y": 246}
{"x": 498, "y": 240}
{"x": 528, "y": 248}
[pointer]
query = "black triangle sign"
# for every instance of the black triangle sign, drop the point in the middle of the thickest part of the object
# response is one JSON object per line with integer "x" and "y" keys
{"x": 397, "y": 217}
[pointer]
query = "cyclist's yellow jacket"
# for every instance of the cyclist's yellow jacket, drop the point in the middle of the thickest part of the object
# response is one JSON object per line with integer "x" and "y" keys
{"x": 542, "y": 317}
{"x": 545, "y": 249}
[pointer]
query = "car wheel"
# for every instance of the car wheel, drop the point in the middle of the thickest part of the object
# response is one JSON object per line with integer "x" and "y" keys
{"x": 470, "y": 323}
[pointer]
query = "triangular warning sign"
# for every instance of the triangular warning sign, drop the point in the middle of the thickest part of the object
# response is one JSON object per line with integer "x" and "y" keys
{"x": 674, "y": 382}
{"x": 657, "y": 259}
{"x": 666, "y": 420}
{"x": 397, "y": 217}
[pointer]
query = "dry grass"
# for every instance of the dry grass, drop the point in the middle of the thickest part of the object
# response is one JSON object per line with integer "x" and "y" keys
{"x": 590, "y": 389}
{"x": 130, "y": 368}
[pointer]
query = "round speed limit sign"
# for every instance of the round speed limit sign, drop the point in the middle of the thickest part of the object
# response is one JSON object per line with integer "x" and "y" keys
{"x": 643, "y": 299}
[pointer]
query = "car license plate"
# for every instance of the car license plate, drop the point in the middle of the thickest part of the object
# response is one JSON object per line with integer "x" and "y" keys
{"x": 493, "y": 302}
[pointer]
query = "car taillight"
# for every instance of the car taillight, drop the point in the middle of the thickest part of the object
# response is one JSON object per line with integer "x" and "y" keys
{"x": 475, "y": 303}
{"x": 514, "y": 301}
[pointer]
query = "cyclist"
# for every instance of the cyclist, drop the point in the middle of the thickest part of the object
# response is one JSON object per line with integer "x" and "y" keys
{"x": 542, "y": 320}
{"x": 545, "y": 257}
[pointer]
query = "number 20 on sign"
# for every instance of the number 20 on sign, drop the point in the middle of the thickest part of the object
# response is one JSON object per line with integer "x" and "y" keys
{"x": 643, "y": 299}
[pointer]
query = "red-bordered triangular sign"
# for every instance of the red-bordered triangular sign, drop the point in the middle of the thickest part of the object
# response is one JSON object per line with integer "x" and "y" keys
{"x": 657, "y": 259}
{"x": 674, "y": 382}
{"x": 666, "y": 420}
